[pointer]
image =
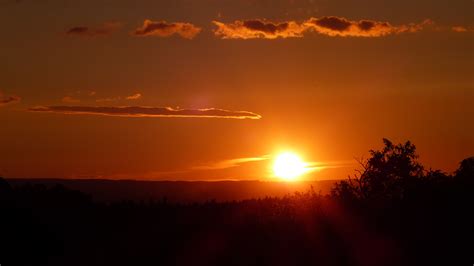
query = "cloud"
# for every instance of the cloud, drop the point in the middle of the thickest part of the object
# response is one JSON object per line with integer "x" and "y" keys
{"x": 338, "y": 26}
{"x": 142, "y": 111}
{"x": 252, "y": 29}
{"x": 110, "y": 99}
{"x": 135, "y": 96}
{"x": 329, "y": 25}
{"x": 230, "y": 163}
{"x": 330, "y": 164}
{"x": 165, "y": 29}
{"x": 461, "y": 29}
{"x": 69, "y": 99}
{"x": 104, "y": 29}
{"x": 4, "y": 99}
{"x": 309, "y": 166}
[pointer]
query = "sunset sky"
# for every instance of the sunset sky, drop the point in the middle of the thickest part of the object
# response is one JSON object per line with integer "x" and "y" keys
{"x": 214, "y": 89}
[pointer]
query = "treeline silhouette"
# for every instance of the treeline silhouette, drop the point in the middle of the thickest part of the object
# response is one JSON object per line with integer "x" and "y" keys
{"x": 392, "y": 212}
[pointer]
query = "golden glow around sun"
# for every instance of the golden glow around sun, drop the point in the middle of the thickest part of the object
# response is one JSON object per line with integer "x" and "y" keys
{"x": 289, "y": 166}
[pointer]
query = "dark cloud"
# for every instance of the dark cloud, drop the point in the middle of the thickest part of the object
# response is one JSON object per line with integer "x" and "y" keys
{"x": 333, "y": 23}
{"x": 78, "y": 30}
{"x": 103, "y": 30}
{"x": 269, "y": 28}
{"x": 252, "y": 29}
{"x": 338, "y": 26}
{"x": 330, "y": 25}
{"x": 141, "y": 111}
{"x": 4, "y": 99}
{"x": 165, "y": 29}
{"x": 367, "y": 25}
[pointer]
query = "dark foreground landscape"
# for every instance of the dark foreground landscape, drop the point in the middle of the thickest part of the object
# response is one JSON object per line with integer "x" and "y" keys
{"x": 393, "y": 213}
{"x": 177, "y": 191}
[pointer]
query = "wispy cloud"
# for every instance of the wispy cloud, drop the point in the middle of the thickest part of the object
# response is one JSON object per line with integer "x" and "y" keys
{"x": 135, "y": 96}
{"x": 230, "y": 163}
{"x": 330, "y": 164}
{"x": 165, "y": 29}
{"x": 109, "y": 99}
{"x": 309, "y": 166}
{"x": 132, "y": 97}
{"x": 462, "y": 29}
{"x": 8, "y": 99}
{"x": 329, "y": 25}
{"x": 142, "y": 111}
{"x": 102, "y": 30}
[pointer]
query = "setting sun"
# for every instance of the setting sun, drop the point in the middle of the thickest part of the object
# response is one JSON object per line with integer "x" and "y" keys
{"x": 288, "y": 166}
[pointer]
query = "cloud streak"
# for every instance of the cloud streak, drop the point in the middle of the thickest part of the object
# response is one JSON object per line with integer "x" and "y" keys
{"x": 231, "y": 163}
{"x": 165, "y": 29}
{"x": 462, "y": 29}
{"x": 135, "y": 96}
{"x": 4, "y": 99}
{"x": 309, "y": 166}
{"x": 328, "y": 25}
{"x": 105, "y": 29}
{"x": 330, "y": 164}
{"x": 142, "y": 111}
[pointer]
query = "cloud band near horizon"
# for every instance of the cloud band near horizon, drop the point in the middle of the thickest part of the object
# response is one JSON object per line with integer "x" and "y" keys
{"x": 231, "y": 163}
{"x": 4, "y": 99}
{"x": 143, "y": 111}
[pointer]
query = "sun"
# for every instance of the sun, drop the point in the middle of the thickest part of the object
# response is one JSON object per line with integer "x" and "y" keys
{"x": 288, "y": 166}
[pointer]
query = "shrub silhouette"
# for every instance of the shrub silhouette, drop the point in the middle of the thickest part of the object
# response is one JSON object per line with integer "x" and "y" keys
{"x": 465, "y": 173}
{"x": 388, "y": 174}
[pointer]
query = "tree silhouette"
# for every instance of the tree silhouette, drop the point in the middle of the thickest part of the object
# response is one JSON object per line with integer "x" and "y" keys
{"x": 465, "y": 172}
{"x": 387, "y": 174}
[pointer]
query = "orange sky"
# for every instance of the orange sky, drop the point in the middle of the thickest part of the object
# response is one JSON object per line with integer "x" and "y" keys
{"x": 215, "y": 82}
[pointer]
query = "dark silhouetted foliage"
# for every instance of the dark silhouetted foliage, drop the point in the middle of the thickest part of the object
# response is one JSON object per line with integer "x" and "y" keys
{"x": 392, "y": 213}
{"x": 465, "y": 173}
{"x": 387, "y": 174}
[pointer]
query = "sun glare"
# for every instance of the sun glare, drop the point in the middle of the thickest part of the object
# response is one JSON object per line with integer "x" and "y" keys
{"x": 288, "y": 166}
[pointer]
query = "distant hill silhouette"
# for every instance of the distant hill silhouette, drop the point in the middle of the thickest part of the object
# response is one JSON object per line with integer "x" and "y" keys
{"x": 180, "y": 191}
